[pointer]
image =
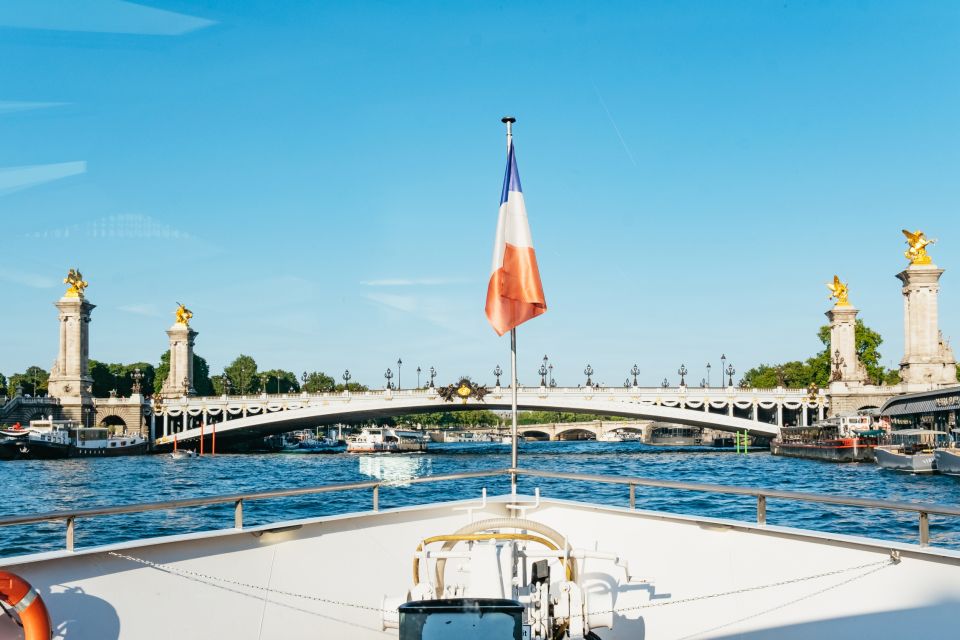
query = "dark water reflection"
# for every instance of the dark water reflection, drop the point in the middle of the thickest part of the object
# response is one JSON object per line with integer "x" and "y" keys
{"x": 77, "y": 484}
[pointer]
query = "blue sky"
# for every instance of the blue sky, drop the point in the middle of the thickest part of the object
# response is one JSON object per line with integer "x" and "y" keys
{"x": 319, "y": 181}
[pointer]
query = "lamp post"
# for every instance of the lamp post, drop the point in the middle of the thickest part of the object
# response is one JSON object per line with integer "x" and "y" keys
{"x": 543, "y": 372}
{"x": 433, "y": 374}
{"x": 626, "y": 383}
{"x": 346, "y": 379}
{"x": 553, "y": 382}
{"x": 588, "y": 372}
{"x": 730, "y": 372}
{"x": 635, "y": 371}
{"x": 388, "y": 375}
{"x": 263, "y": 383}
{"x": 497, "y": 371}
{"x": 303, "y": 377}
{"x": 418, "y": 376}
{"x": 227, "y": 385}
{"x": 137, "y": 377}
{"x": 664, "y": 384}
{"x": 708, "y": 376}
{"x": 723, "y": 364}
{"x": 682, "y": 372}
{"x": 703, "y": 383}
{"x": 399, "y": 364}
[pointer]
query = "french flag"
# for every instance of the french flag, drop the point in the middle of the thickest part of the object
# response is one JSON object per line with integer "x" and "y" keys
{"x": 515, "y": 293}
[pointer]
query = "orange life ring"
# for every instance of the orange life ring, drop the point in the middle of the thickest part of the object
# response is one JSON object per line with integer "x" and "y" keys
{"x": 17, "y": 593}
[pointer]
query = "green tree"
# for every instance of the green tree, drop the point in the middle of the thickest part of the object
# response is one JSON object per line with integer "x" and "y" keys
{"x": 352, "y": 387}
{"x": 33, "y": 380}
{"x": 319, "y": 382}
{"x": 4, "y": 391}
{"x": 242, "y": 373}
{"x": 280, "y": 381}
{"x": 817, "y": 369}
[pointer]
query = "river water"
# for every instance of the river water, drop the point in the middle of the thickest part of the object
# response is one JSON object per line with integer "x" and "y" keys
{"x": 42, "y": 486}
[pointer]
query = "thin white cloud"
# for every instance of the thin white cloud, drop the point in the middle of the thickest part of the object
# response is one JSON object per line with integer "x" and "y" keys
{"x": 10, "y": 106}
{"x": 22, "y": 278}
{"x": 147, "y": 309}
{"x": 412, "y": 282}
{"x": 407, "y": 304}
{"x": 97, "y": 16}
{"x": 17, "y": 178}
{"x": 123, "y": 226}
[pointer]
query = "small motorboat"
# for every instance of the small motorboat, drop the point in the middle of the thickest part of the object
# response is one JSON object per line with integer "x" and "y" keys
{"x": 181, "y": 454}
{"x": 948, "y": 461}
{"x": 912, "y": 450}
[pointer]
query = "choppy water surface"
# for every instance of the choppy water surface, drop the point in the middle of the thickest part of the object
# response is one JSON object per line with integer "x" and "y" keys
{"x": 42, "y": 486}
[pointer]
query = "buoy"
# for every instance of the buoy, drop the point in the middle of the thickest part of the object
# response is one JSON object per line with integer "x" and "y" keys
{"x": 17, "y": 593}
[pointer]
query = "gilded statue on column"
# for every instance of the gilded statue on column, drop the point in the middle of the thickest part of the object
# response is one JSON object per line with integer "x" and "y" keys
{"x": 839, "y": 291}
{"x": 75, "y": 284}
{"x": 917, "y": 243}
{"x": 183, "y": 315}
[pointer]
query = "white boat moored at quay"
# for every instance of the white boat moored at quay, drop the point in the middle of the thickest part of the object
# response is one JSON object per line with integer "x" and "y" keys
{"x": 387, "y": 440}
{"x": 581, "y": 569}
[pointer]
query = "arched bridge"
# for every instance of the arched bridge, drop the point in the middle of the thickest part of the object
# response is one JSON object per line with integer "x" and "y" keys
{"x": 760, "y": 412}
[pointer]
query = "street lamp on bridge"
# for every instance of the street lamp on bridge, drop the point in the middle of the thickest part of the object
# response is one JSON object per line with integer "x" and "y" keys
{"x": 418, "y": 376}
{"x": 497, "y": 372}
{"x": 682, "y": 372}
{"x": 399, "y": 364}
{"x": 708, "y": 376}
{"x": 137, "y": 377}
{"x": 664, "y": 384}
{"x": 433, "y": 374}
{"x": 543, "y": 371}
{"x": 730, "y": 372}
{"x": 635, "y": 371}
{"x": 553, "y": 382}
{"x": 723, "y": 364}
{"x": 388, "y": 375}
{"x": 626, "y": 383}
{"x": 304, "y": 378}
{"x": 346, "y": 379}
{"x": 588, "y": 372}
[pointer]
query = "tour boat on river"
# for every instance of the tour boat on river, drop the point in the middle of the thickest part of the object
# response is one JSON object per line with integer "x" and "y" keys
{"x": 847, "y": 438}
{"x": 54, "y": 439}
{"x": 387, "y": 440}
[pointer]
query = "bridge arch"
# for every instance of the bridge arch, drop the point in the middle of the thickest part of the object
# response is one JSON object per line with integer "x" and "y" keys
{"x": 254, "y": 417}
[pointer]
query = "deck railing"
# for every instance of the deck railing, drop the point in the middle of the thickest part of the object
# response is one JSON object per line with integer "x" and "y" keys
{"x": 923, "y": 510}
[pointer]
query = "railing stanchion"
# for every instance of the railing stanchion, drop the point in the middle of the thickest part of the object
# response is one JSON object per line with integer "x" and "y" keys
{"x": 761, "y": 509}
{"x": 924, "y": 529}
{"x": 238, "y": 514}
{"x": 376, "y": 497}
{"x": 633, "y": 496}
{"x": 70, "y": 531}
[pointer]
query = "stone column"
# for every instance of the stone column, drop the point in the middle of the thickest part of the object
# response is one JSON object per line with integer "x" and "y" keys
{"x": 70, "y": 380}
{"x": 843, "y": 322}
{"x": 927, "y": 359}
{"x": 179, "y": 381}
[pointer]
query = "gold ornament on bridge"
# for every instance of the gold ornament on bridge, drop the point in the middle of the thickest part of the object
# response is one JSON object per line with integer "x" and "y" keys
{"x": 916, "y": 253}
{"x": 75, "y": 284}
{"x": 839, "y": 291}
{"x": 464, "y": 390}
{"x": 183, "y": 315}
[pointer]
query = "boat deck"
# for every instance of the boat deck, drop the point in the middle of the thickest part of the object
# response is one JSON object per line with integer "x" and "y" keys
{"x": 327, "y": 576}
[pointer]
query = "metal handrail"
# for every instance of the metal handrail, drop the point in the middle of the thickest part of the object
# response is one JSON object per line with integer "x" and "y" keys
{"x": 923, "y": 510}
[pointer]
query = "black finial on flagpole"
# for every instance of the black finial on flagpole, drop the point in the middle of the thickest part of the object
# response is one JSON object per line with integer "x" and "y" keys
{"x": 508, "y": 119}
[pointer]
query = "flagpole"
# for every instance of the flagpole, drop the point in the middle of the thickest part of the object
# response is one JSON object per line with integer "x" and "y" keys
{"x": 509, "y": 120}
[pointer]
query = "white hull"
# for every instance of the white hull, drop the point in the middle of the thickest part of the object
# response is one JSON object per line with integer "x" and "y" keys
{"x": 385, "y": 447}
{"x": 217, "y": 582}
{"x": 915, "y": 463}
{"x": 948, "y": 461}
